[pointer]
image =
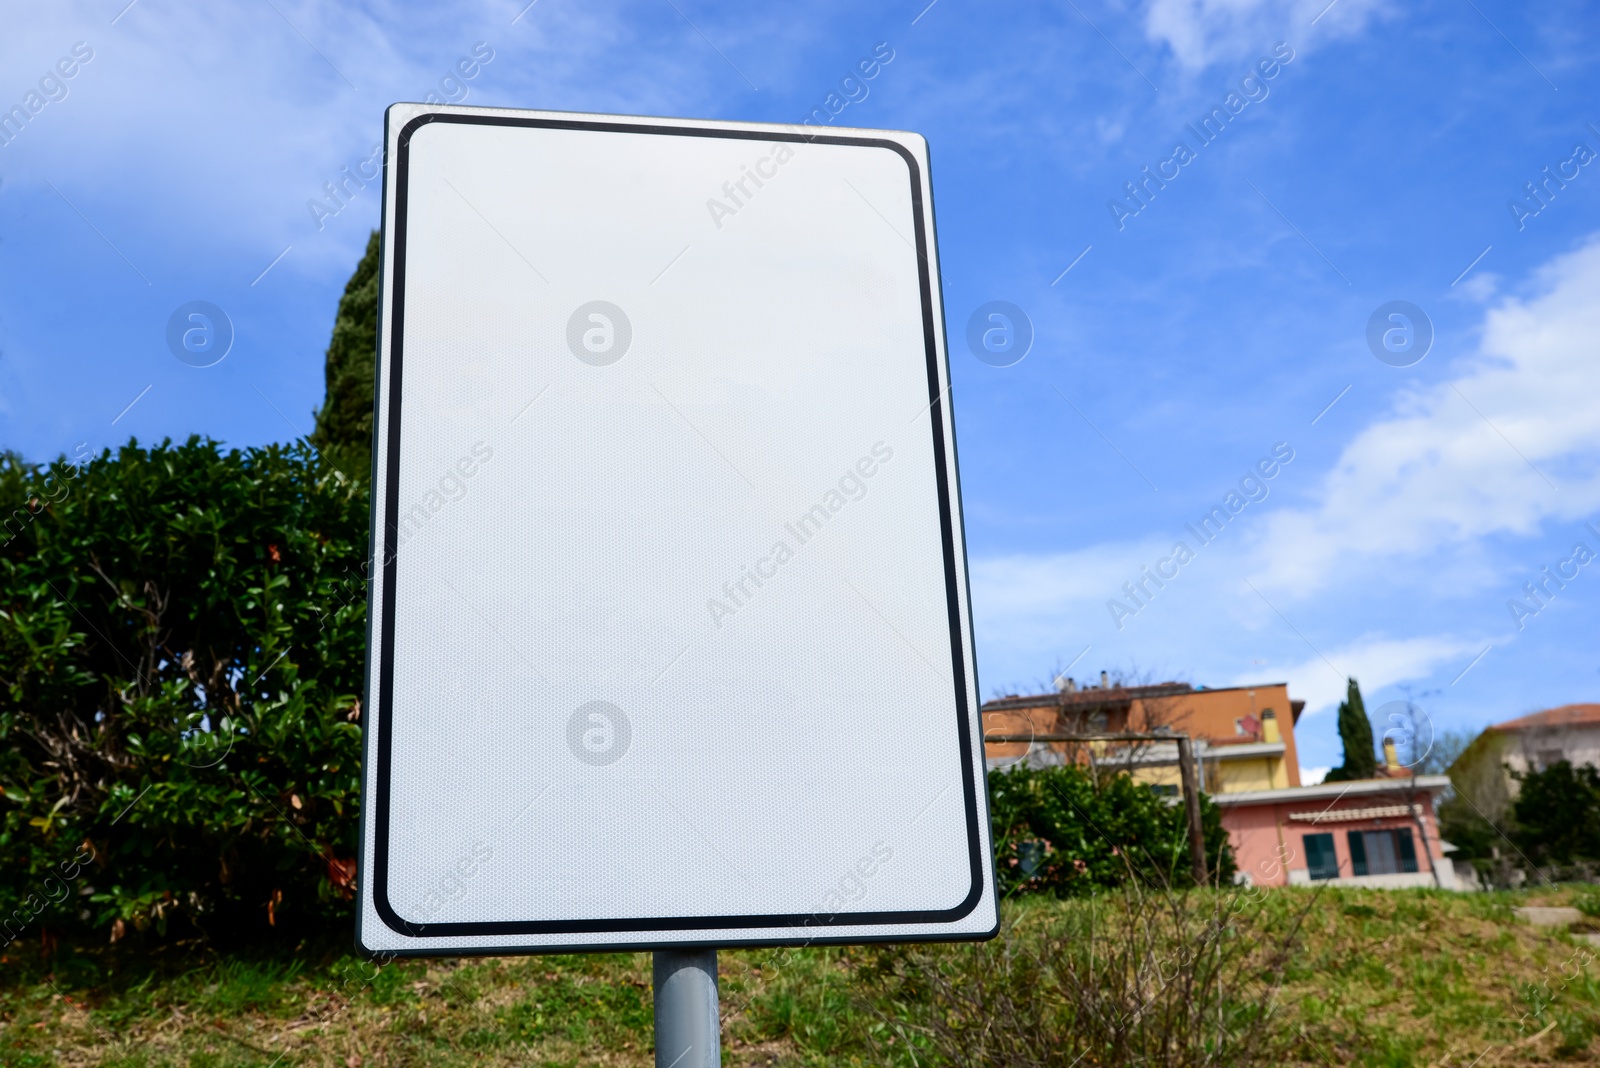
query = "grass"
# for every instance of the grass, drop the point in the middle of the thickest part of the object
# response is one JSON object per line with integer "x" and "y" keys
{"x": 1401, "y": 978}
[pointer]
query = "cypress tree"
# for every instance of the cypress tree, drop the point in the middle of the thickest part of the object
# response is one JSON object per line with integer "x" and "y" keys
{"x": 1355, "y": 733}
{"x": 344, "y": 422}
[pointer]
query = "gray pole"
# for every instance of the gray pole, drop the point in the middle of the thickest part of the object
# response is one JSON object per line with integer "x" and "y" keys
{"x": 1422, "y": 831}
{"x": 688, "y": 1030}
{"x": 1191, "y": 803}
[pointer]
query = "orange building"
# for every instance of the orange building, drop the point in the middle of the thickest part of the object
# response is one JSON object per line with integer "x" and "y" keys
{"x": 1244, "y": 735}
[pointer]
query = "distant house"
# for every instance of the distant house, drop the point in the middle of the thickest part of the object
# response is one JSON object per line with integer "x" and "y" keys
{"x": 1374, "y": 832}
{"x": 1483, "y": 772}
{"x": 1244, "y": 735}
{"x": 1533, "y": 743}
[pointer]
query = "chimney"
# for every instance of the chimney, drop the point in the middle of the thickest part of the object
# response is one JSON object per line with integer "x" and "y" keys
{"x": 1269, "y": 727}
{"x": 1105, "y": 680}
{"x": 1391, "y": 756}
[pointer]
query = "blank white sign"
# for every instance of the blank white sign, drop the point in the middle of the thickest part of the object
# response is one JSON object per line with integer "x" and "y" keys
{"x": 670, "y": 640}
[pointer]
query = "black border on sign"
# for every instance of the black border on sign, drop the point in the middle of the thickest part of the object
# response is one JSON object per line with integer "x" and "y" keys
{"x": 784, "y": 928}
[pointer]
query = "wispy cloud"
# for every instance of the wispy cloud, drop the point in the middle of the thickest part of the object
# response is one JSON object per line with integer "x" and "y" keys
{"x": 1469, "y": 459}
{"x": 1428, "y": 479}
{"x": 1203, "y": 32}
{"x": 1372, "y": 660}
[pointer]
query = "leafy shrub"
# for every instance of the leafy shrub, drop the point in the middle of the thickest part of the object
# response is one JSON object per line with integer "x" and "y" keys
{"x": 1136, "y": 977}
{"x": 1095, "y": 833}
{"x": 181, "y": 650}
{"x": 1557, "y": 813}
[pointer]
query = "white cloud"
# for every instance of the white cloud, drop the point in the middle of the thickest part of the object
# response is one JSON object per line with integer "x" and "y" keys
{"x": 1025, "y": 584}
{"x": 1203, "y": 32}
{"x": 1314, "y": 776}
{"x": 1416, "y": 512}
{"x": 220, "y": 123}
{"x": 1372, "y": 660}
{"x": 1469, "y": 459}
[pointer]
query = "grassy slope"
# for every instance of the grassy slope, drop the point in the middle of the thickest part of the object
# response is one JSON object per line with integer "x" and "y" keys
{"x": 1406, "y": 978}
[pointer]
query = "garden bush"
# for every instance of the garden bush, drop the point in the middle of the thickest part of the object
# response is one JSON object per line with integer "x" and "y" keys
{"x": 1071, "y": 832}
{"x": 1557, "y": 814}
{"x": 182, "y": 638}
{"x": 1136, "y": 976}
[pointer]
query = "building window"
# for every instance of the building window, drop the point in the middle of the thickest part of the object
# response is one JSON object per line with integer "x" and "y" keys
{"x": 1164, "y": 789}
{"x": 1549, "y": 758}
{"x": 1320, "y": 857}
{"x": 1382, "y": 852}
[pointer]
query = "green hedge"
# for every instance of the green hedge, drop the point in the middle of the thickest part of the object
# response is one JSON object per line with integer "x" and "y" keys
{"x": 181, "y": 649}
{"x": 1070, "y": 832}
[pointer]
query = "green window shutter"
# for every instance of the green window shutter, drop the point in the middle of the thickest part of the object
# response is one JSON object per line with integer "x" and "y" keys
{"x": 1358, "y": 853}
{"x": 1321, "y": 858}
{"x": 1408, "y": 851}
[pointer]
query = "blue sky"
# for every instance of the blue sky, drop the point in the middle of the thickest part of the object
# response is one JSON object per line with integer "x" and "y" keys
{"x": 1378, "y": 164}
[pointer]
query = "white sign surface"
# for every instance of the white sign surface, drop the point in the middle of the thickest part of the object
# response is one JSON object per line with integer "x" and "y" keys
{"x": 670, "y": 641}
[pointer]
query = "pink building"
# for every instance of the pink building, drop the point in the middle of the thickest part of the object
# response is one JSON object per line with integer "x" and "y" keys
{"x": 1372, "y": 832}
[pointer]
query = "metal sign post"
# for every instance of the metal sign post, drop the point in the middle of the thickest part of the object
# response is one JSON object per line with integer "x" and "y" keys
{"x": 688, "y": 1029}
{"x": 670, "y": 640}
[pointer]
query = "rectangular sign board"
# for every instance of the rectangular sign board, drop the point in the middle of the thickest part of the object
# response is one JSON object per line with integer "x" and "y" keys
{"x": 670, "y": 642}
